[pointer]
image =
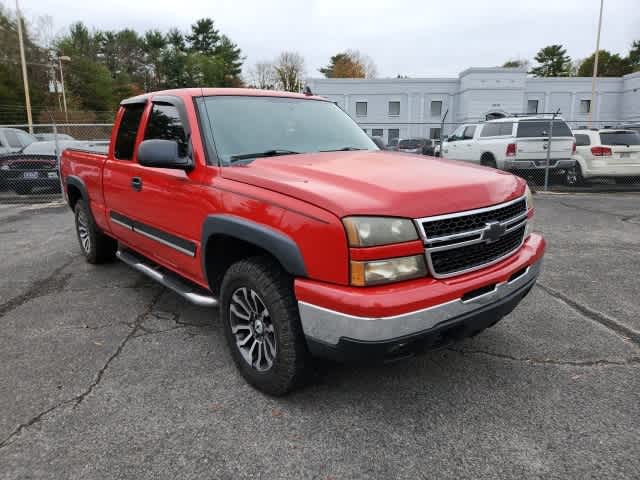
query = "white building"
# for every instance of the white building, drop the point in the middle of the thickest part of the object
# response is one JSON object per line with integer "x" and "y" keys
{"x": 398, "y": 107}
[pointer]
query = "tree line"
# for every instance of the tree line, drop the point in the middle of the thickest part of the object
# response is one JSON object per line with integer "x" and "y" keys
{"x": 553, "y": 61}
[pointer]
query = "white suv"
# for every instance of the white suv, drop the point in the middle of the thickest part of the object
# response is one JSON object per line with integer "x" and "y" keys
{"x": 513, "y": 143}
{"x": 607, "y": 152}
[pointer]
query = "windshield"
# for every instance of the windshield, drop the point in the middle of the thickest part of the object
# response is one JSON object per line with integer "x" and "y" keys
{"x": 620, "y": 138}
{"x": 245, "y": 128}
{"x": 540, "y": 128}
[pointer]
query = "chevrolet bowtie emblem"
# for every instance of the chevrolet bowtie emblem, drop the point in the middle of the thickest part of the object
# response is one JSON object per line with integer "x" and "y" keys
{"x": 493, "y": 231}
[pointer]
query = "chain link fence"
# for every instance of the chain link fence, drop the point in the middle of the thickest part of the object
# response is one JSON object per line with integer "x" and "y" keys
{"x": 29, "y": 162}
{"x": 607, "y": 154}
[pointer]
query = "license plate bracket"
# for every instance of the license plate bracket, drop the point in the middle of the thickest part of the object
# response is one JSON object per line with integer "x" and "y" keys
{"x": 30, "y": 175}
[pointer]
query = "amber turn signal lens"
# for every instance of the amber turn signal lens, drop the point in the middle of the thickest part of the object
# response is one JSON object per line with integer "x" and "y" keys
{"x": 357, "y": 274}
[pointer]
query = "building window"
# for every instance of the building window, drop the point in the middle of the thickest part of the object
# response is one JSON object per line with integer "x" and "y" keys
{"x": 393, "y": 133}
{"x": 377, "y": 132}
{"x": 436, "y": 108}
{"x": 361, "y": 109}
{"x": 585, "y": 106}
{"x": 394, "y": 109}
{"x": 434, "y": 133}
{"x": 532, "y": 106}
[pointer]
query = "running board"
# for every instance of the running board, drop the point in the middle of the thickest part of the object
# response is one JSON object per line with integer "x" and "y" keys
{"x": 172, "y": 281}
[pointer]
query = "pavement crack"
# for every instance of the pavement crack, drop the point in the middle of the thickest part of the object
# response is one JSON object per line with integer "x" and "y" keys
{"x": 136, "y": 326}
{"x": 549, "y": 361}
{"x": 53, "y": 283}
{"x": 77, "y": 399}
{"x": 599, "y": 317}
{"x": 624, "y": 218}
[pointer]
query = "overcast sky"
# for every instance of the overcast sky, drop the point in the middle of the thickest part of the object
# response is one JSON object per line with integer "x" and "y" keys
{"x": 409, "y": 37}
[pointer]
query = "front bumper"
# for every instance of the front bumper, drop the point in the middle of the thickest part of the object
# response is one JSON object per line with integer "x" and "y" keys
{"x": 519, "y": 165}
{"x": 480, "y": 300}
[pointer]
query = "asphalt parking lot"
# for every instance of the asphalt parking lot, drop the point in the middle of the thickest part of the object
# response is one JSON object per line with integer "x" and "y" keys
{"x": 106, "y": 375}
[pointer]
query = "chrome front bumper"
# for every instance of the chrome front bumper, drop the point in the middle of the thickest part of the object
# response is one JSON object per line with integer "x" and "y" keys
{"x": 537, "y": 164}
{"x": 328, "y": 327}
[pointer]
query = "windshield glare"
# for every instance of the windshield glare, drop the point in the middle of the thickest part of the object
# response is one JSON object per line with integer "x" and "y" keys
{"x": 250, "y": 125}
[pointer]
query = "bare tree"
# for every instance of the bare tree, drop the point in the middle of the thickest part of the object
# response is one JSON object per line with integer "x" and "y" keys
{"x": 367, "y": 63}
{"x": 289, "y": 70}
{"x": 263, "y": 75}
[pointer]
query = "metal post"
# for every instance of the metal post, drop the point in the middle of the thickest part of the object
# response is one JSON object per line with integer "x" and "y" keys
{"x": 442, "y": 129}
{"x": 64, "y": 96}
{"x": 546, "y": 168}
{"x": 595, "y": 68}
{"x": 25, "y": 80}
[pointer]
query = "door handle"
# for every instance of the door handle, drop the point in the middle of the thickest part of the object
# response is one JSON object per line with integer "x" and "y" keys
{"x": 136, "y": 183}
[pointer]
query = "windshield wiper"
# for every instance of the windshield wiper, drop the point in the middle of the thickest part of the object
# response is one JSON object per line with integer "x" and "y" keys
{"x": 267, "y": 153}
{"x": 343, "y": 149}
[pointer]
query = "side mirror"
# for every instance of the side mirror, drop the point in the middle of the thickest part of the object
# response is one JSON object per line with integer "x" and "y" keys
{"x": 161, "y": 153}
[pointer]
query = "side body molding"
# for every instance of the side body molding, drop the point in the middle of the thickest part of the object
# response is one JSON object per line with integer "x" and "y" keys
{"x": 283, "y": 248}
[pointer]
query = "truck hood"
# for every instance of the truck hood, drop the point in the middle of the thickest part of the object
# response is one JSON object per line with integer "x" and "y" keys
{"x": 379, "y": 182}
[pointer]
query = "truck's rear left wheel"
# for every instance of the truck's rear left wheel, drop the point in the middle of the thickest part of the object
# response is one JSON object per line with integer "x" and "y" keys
{"x": 262, "y": 325}
{"x": 95, "y": 245}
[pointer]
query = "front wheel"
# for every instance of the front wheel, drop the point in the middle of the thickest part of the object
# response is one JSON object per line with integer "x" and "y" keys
{"x": 573, "y": 176}
{"x": 262, "y": 325}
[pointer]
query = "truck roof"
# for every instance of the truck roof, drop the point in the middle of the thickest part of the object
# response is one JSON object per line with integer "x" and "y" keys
{"x": 209, "y": 92}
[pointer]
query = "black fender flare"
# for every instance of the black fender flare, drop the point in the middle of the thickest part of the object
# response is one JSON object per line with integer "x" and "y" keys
{"x": 79, "y": 184}
{"x": 282, "y": 247}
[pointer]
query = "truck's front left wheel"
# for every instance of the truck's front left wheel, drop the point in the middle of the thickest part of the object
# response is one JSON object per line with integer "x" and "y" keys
{"x": 95, "y": 245}
{"x": 262, "y": 325}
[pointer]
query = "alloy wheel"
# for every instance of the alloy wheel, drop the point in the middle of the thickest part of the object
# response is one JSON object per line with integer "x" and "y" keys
{"x": 83, "y": 231}
{"x": 253, "y": 329}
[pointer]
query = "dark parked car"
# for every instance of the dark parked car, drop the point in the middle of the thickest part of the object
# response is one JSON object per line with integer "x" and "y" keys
{"x": 46, "y": 137}
{"x": 416, "y": 145}
{"x": 393, "y": 144}
{"x": 379, "y": 142}
{"x": 23, "y": 173}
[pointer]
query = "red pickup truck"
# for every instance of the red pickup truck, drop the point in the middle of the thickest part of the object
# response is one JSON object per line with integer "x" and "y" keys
{"x": 277, "y": 209}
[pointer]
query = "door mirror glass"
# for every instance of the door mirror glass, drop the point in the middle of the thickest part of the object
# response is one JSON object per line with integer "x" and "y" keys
{"x": 161, "y": 153}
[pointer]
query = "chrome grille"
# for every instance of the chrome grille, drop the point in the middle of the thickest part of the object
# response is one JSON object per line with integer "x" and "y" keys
{"x": 466, "y": 241}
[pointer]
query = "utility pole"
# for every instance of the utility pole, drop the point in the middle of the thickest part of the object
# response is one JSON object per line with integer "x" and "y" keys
{"x": 595, "y": 67}
{"x": 25, "y": 80}
{"x": 64, "y": 96}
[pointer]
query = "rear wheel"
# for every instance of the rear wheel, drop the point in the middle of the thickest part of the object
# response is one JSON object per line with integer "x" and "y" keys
{"x": 95, "y": 245}
{"x": 262, "y": 325}
{"x": 488, "y": 161}
{"x": 574, "y": 177}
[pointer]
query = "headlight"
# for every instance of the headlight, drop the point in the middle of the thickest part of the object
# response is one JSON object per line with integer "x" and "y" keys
{"x": 387, "y": 271}
{"x": 529, "y": 197}
{"x": 4, "y": 167}
{"x": 371, "y": 231}
{"x": 529, "y": 200}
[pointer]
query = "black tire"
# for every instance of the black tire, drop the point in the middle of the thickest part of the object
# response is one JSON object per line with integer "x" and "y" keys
{"x": 488, "y": 161}
{"x": 23, "y": 189}
{"x": 573, "y": 176}
{"x": 95, "y": 245}
{"x": 274, "y": 288}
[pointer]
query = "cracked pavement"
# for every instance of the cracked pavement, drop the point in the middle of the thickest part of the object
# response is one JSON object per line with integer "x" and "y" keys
{"x": 104, "y": 374}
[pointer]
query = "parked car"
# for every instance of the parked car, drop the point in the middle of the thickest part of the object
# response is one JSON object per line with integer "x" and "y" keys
{"x": 307, "y": 239}
{"x": 24, "y": 173}
{"x": 413, "y": 145}
{"x": 606, "y": 153}
{"x": 393, "y": 144}
{"x": 431, "y": 148}
{"x": 516, "y": 144}
{"x": 379, "y": 142}
{"x": 44, "y": 137}
{"x": 54, "y": 148}
{"x": 14, "y": 140}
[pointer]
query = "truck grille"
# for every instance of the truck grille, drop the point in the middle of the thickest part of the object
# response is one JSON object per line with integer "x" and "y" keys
{"x": 466, "y": 241}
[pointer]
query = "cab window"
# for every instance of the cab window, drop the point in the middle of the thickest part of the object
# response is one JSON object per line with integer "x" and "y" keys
{"x": 127, "y": 131}
{"x": 165, "y": 123}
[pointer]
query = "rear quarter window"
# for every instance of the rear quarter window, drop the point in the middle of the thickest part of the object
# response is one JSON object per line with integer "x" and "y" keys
{"x": 127, "y": 131}
{"x": 540, "y": 128}
{"x": 582, "y": 140}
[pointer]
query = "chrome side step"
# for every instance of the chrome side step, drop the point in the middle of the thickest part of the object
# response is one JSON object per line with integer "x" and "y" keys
{"x": 184, "y": 288}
